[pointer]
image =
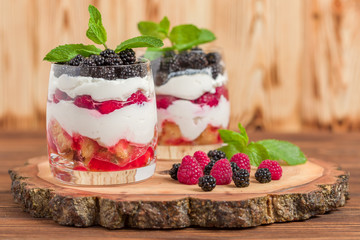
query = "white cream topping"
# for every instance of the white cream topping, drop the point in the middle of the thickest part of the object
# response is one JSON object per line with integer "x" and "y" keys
{"x": 193, "y": 119}
{"x": 98, "y": 88}
{"x": 135, "y": 123}
{"x": 192, "y": 86}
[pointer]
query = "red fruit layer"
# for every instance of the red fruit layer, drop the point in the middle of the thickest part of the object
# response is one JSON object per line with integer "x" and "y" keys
{"x": 87, "y": 154}
{"x": 86, "y": 101}
{"x": 210, "y": 99}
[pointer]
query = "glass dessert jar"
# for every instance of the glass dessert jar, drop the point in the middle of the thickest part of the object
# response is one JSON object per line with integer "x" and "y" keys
{"x": 192, "y": 97}
{"x": 101, "y": 123}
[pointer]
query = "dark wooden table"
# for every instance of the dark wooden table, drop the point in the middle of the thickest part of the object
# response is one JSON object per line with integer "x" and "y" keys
{"x": 344, "y": 223}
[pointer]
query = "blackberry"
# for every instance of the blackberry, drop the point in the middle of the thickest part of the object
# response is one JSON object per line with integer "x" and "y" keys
{"x": 207, "y": 183}
{"x": 216, "y": 69}
{"x": 76, "y": 60}
{"x": 174, "y": 170}
{"x": 107, "y": 53}
{"x": 113, "y": 60}
{"x": 161, "y": 78}
{"x": 241, "y": 178}
{"x": 179, "y": 62}
{"x": 169, "y": 54}
{"x": 128, "y": 56}
{"x": 165, "y": 63}
{"x": 99, "y": 60}
{"x": 216, "y": 155}
{"x": 213, "y": 57}
{"x": 135, "y": 70}
{"x": 208, "y": 167}
{"x": 88, "y": 62}
{"x": 234, "y": 167}
{"x": 105, "y": 72}
{"x": 263, "y": 175}
{"x": 197, "y": 60}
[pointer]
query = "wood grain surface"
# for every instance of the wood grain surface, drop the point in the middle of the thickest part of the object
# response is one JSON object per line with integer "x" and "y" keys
{"x": 292, "y": 64}
{"x": 341, "y": 224}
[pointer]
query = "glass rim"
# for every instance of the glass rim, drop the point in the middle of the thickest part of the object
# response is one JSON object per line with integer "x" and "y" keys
{"x": 142, "y": 61}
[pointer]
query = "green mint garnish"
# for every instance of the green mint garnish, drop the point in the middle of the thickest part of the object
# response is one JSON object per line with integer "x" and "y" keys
{"x": 283, "y": 150}
{"x": 66, "y": 52}
{"x": 141, "y": 41}
{"x": 96, "y": 31}
{"x": 159, "y": 30}
{"x": 182, "y": 37}
{"x": 259, "y": 151}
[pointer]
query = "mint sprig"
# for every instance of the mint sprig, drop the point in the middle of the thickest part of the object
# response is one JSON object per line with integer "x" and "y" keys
{"x": 96, "y": 31}
{"x": 259, "y": 151}
{"x": 182, "y": 37}
{"x": 64, "y": 53}
{"x": 141, "y": 41}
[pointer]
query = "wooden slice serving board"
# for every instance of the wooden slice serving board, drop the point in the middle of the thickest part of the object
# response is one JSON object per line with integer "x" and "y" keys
{"x": 160, "y": 202}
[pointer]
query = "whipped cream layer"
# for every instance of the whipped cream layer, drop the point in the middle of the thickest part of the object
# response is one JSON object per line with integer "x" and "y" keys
{"x": 135, "y": 123}
{"x": 98, "y": 88}
{"x": 193, "y": 119}
{"x": 191, "y": 84}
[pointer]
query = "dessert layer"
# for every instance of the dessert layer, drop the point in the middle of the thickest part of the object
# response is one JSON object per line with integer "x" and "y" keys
{"x": 134, "y": 123}
{"x": 98, "y": 88}
{"x": 192, "y": 118}
{"x": 191, "y": 84}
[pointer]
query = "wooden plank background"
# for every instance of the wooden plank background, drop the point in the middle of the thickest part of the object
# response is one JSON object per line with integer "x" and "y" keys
{"x": 293, "y": 65}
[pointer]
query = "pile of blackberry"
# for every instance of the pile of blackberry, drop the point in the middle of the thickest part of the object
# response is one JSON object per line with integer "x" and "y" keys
{"x": 195, "y": 58}
{"x": 108, "y": 59}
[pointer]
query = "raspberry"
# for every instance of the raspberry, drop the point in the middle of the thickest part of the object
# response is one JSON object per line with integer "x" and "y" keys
{"x": 137, "y": 97}
{"x": 128, "y": 56}
{"x": 208, "y": 99}
{"x": 60, "y": 95}
{"x": 76, "y": 60}
{"x": 84, "y": 101}
{"x": 216, "y": 155}
{"x": 222, "y": 172}
{"x": 208, "y": 167}
{"x": 274, "y": 167}
{"x": 164, "y": 101}
{"x": 241, "y": 178}
{"x": 202, "y": 159}
{"x": 242, "y": 160}
{"x": 207, "y": 183}
{"x": 234, "y": 167}
{"x": 109, "y": 106}
{"x": 174, "y": 170}
{"x": 189, "y": 171}
{"x": 222, "y": 91}
{"x": 263, "y": 175}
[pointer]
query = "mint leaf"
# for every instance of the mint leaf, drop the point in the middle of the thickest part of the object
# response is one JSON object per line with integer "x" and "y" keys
{"x": 66, "y": 52}
{"x": 164, "y": 25}
{"x": 182, "y": 35}
{"x": 229, "y": 136}
{"x": 243, "y": 133}
{"x": 151, "y": 29}
{"x": 205, "y": 36}
{"x": 153, "y": 53}
{"x": 257, "y": 153}
{"x": 231, "y": 149}
{"x": 283, "y": 150}
{"x": 96, "y": 31}
{"x": 141, "y": 41}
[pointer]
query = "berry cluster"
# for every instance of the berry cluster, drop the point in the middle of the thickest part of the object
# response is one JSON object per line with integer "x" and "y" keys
{"x": 108, "y": 60}
{"x": 193, "y": 59}
{"x": 209, "y": 170}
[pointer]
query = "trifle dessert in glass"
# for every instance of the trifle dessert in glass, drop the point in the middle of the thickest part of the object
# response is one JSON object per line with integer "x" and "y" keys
{"x": 192, "y": 98}
{"x": 101, "y": 114}
{"x": 190, "y": 84}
